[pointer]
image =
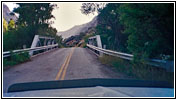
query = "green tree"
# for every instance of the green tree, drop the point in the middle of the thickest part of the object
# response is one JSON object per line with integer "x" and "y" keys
{"x": 15, "y": 39}
{"x": 36, "y": 16}
{"x": 88, "y": 8}
{"x": 108, "y": 26}
{"x": 34, "y": 19}
{"x": 145, "y": 30}
{"x": 150, "y": 28}
{"x": 5, "y": 25}
{"x": 32, "y": 14}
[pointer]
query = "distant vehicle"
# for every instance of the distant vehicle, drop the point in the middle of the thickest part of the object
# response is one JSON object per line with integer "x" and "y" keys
{"x": 91, "y": 88}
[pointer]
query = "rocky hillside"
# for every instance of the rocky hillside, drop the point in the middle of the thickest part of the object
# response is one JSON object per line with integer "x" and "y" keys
{"x": 6, "y": 14}
{"x": 76, "y": 30}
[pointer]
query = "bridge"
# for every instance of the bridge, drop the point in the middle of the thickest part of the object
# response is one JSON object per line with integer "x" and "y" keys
{"x": 63, "y": 63}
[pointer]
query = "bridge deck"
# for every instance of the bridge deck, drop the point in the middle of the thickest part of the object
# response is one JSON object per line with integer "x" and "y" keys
{"x": 78, "y": 63}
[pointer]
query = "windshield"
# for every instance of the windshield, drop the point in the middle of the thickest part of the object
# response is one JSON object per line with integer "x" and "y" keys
{"x": 72, "y": 41}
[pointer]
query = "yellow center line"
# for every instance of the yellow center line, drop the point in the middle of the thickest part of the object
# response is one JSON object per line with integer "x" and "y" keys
{"x": 64, "y": 66}
{"x": 64, "y": 71}
{"x": 61, "y": 69}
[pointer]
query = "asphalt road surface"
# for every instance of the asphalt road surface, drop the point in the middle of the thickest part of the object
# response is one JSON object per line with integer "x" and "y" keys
{"x": 60, "y": 64}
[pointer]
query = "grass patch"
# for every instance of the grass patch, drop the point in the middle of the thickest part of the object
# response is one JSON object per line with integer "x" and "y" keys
{"x": 15, "y": 59}
{"x": 139, "y": 71}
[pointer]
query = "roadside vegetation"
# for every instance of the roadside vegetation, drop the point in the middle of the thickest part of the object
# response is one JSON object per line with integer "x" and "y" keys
{"x": 34, "y": 19}
{"x": 145, "y": 30}
{"x": 139, "y": 71}
{"x": 15, "y": 59}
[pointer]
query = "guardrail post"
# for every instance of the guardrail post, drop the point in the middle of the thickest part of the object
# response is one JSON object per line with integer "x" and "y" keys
{"x": 96, "y": 41}
{"x": 53, "y": 42}
{"x": 99, "y": 44}
{"x": 104, "y": 46}
{"x": 49, "y": 43}
{"x": 34, "y": 44}
{"x": 45, "y": 42}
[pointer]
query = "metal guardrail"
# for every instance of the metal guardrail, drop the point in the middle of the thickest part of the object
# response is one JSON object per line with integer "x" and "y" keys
{"x": 112, "y": 53}
{"x": 168, "y": 65}
{"x": 8, "y": 53}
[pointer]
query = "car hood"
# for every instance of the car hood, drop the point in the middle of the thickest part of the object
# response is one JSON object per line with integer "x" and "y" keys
{"x": 91, "y": 88}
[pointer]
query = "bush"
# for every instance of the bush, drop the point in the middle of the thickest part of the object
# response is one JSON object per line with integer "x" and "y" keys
{"x": 15, "y": 39}
{"x": 19, "y": 58}
{"x": 138, "y": 70}
{"x": 16, "y": 59}
{"x": 6, "y": 62}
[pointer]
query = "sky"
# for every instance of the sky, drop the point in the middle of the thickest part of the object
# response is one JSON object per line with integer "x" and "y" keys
{"x": 66, "y": 15}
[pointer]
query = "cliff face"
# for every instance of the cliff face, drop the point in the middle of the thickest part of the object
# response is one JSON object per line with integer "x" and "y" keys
{"x": 76, "y": 30}
{"x": 6, "y": 14}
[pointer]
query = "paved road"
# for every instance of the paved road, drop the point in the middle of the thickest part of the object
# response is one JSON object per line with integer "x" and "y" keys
{"x": 60, "y": 64}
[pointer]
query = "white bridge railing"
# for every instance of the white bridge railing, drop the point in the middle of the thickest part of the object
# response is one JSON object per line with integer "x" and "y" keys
{"x": 8, "y": 53}
{"x": 39, "y": 43}
{"x": 168, "y": 65}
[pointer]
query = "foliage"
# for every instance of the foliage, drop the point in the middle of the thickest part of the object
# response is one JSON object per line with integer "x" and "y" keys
{"x": 16, "y": 59}
{"x": 88, "y": 8}
{"x": 15, "y": 39}
{"x": 36, "y": 15}
{"x": 59, "y": 40}
{"x": 33, "y": 20}
{"x": 19, "y": 58}
{"x": 5, "y": 25}
{"x": 110, "y": 29}
{"x": 139, "y": 70}
{"x": 145, "y": 30}
{"x": 150, "y": 28}
{"x": 8, "y": 63}
{"x": 11, "y": 24}
{"x": 32, "y": 14}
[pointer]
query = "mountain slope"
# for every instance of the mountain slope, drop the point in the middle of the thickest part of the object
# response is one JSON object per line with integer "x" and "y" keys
{"x": 76, "y": 30}
{"x": 6, "y": 14}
